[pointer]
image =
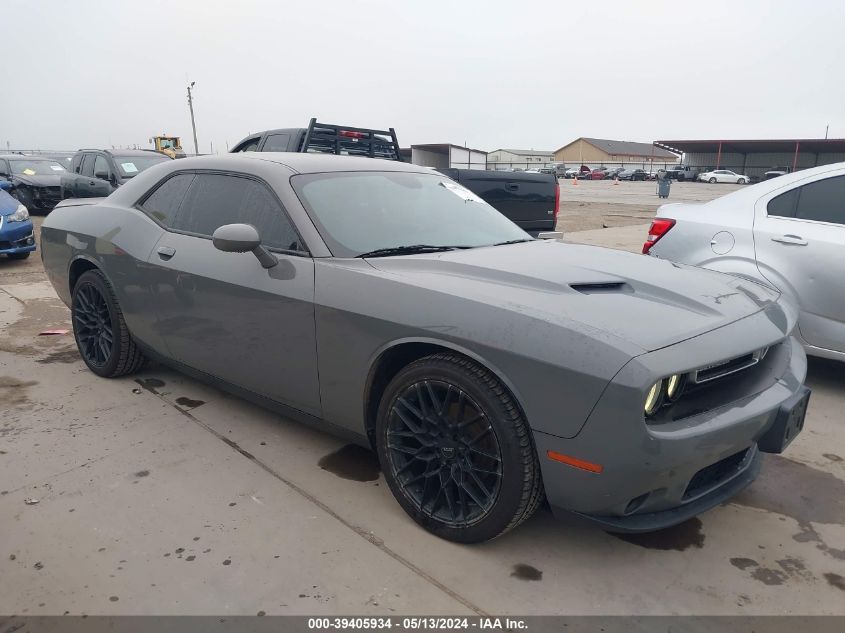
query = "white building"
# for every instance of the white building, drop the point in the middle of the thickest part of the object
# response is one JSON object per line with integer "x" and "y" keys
{"x": 518, "y": 159}
{"x": 445, "y": 155}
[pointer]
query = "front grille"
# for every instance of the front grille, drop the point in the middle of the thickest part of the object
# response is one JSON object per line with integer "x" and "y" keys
{"x": 711, "y": 476}
{"x": 718, "y": 370}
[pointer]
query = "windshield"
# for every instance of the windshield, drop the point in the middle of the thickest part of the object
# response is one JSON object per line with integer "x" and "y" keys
{"x": 35, "y": 167}
{"x": 131, "y": 165}
{"x": 359, "y": 212}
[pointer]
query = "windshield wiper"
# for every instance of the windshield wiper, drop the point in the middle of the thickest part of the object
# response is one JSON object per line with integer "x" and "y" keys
{"x": 529, "y": 239}
{"x": 409, "y": 250}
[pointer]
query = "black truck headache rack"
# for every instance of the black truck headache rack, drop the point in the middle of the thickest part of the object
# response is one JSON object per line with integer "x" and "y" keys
{"x": 350, "y": 141}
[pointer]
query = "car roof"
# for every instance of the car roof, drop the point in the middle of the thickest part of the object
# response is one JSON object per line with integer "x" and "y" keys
{"x": 302, "y": 163}
{"x": 27, "y": 157}
{"x": 124, "y": 152}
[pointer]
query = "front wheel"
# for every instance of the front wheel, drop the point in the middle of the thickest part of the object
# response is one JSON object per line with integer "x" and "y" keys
{"x": 456, "y": 451}
{"x": 741, "y": 181}
{"x": 102, "y": 337}
{"x": 712, "y": 181}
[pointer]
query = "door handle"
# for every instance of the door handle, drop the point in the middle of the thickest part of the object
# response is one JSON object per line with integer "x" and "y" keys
{"x": 510, "y": 186}
{"x": 166, "y": 252}
{"x": 794, "y": 240}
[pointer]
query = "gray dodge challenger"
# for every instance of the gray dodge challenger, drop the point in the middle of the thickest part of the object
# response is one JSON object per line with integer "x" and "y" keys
{"x": 488, "y": 370}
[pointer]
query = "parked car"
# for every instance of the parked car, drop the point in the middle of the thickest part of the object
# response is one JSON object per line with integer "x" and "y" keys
{"x": 788, "y": 233}
{"x": 774, "y": 173}
{"x": 723, "y": 175}
{"x": 613, "y": 172}
{"x": 17, "y": 239}
{"x": 95, "y": 173}
{"x": 487, "y": 369}
{"x": 571, "y": 172}
{"x": 34, "y": 180}
{"x": 598, "y": 174}
{"x": 682, "y": 172}
{"x": 528, "y": 198}
{"x": 633, "y": 174}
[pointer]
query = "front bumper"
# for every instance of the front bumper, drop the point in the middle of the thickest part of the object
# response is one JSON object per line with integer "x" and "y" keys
{"x": 16, "y": 237}
{"x": 656, "y": 476}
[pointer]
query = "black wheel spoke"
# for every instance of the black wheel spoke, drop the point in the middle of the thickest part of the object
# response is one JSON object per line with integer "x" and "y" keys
{"x": 92, "y": 325}
{"x": 443, "y": 452}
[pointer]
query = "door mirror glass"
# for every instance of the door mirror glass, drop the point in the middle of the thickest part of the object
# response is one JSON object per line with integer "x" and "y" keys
{"x": 5, "y": 184}
{"x": 236, "y": 238}
{"x": 102, "y": 175}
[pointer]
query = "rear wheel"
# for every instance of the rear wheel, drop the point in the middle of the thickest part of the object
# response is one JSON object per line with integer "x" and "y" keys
{"x": 102, "y": 337}
{"x": 456, "y": 451}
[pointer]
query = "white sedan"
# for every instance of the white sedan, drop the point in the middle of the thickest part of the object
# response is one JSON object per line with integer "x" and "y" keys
{"x": 723, "y": 175}
{"x": 788, "y": 232}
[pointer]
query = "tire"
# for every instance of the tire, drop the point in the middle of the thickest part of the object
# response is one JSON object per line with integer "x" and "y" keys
{"x": 19, "y": 255}
{"x": 741, "y": 181}
{"x": 103, "y": 340}
{"x": 431, "y": 414}
{"x": 712, "y": 181}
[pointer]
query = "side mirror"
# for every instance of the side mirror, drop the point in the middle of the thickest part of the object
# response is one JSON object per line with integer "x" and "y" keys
{"x": 102, "y": 175}
{"x": 5, "y": 184}
{"x": 242, "y": 238}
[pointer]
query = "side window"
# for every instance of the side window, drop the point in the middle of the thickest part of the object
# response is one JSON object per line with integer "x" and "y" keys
{"x": 100, "y": 165}
{"x": 276, "y": 143}
{"x": 87, "y": 168}
{"x": 783, "y": 205}
{"x": 164, "y": 202}
{"x": 217, "y": 199}
{"x": 823, "y": 200}
{"x": 4, "y": 168}
{"x": 248, "y": 146}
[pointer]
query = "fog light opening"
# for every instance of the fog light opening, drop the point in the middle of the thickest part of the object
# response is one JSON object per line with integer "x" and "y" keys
{"x": 636, "y": 504}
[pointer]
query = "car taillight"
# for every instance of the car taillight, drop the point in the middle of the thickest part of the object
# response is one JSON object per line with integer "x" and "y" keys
{"x": 659, "y": 227}
{"x": 557, "y": 201}
{"x": 351, "y": 134}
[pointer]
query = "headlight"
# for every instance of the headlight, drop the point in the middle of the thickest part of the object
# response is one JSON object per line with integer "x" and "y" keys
{"x": 19, "y": 215}
{"x": 674, "y": 387}
{"x": 654, "y": 398}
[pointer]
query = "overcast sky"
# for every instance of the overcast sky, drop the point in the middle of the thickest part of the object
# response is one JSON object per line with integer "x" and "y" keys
{"x": 487, "y": 74}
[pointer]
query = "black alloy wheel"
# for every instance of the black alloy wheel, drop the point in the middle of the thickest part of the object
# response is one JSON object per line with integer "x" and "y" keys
{"x": 456, "y": 450}
{"x": 444, "y": 452}
{"x": 99, "y": 328}
{"x": 92, "y": 325}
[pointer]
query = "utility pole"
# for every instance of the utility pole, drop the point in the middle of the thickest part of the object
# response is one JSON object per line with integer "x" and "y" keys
{"x": 826, "y": 128}
{"x": 193, "y": 123}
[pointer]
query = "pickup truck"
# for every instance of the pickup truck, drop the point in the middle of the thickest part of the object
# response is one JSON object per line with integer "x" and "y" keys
{"x": 95, "y": 173}
{"x": 530, "y": 200}
{"x": 683, "y": 172}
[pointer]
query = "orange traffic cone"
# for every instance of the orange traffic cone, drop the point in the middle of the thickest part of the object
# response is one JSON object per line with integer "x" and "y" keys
{"x": 575, "y": 180}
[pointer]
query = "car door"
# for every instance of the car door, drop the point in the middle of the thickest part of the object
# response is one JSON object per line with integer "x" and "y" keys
{"x": 799, "y": 237}
{"x": 226, "y": 315}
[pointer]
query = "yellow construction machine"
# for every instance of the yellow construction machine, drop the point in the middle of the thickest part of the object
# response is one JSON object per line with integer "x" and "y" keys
{"x": 169, "y": 145}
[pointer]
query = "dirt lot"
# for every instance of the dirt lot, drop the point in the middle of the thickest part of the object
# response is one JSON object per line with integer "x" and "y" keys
{"x": 158, "y": 494}
{"x": 601, "y": 203}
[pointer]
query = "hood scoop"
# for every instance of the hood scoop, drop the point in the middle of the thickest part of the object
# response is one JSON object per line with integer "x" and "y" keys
{"x": 602, "y": 287}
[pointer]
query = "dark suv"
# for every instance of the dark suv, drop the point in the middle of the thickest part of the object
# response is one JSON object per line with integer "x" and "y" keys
{"x": 96, "y": 173}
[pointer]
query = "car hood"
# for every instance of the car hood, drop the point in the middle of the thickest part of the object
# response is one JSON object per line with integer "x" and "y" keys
{"x": 647, "y": 302}
{"x": 8, "y": 204}
{"x": 37, "y": 180}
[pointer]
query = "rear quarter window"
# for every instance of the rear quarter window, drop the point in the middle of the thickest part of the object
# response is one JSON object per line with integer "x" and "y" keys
{"x": 783, "y": 206}
{"x": 164, "y": 202}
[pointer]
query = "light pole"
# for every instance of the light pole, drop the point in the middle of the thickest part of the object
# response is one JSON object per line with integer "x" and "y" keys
{"x": 193, "y": 123}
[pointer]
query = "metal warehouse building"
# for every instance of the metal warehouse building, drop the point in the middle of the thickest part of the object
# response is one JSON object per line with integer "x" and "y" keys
{"x": 755, "y": 157}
